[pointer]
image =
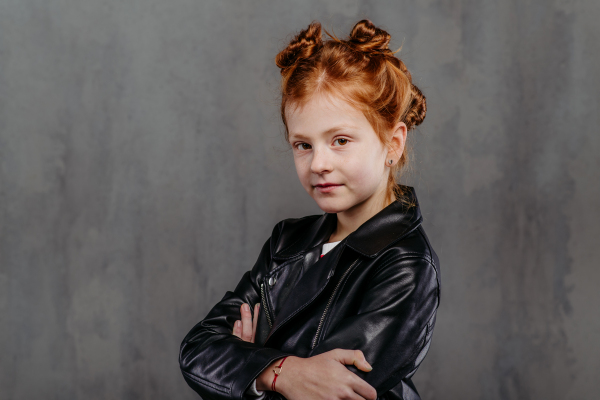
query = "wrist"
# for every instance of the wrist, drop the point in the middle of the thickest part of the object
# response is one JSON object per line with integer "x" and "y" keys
{"x": 265, "y": 379}
{"x": 287, "y": 376}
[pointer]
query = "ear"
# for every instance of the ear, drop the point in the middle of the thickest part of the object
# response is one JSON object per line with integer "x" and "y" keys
{"x": 397, "y": 141}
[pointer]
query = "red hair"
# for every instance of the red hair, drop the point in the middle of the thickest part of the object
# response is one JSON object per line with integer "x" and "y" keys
{"x": 363, "y": 71}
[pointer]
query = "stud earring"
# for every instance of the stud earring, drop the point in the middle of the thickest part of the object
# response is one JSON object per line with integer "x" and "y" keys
{"x": 390, "y": 161}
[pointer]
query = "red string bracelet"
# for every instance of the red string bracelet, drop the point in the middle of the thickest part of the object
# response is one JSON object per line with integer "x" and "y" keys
{"x": 277, "y": 373}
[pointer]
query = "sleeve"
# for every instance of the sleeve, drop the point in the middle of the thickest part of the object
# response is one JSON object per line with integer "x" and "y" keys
{"x": 214, "y": 362}
{"x": 252, "y": 391}
{"x": 393, "y": 324}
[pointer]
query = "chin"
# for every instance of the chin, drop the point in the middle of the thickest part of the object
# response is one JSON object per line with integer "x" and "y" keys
{"x": 331, "y": 205}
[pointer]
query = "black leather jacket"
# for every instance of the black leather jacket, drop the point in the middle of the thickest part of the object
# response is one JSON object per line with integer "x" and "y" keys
{"x": 378, "y": 290}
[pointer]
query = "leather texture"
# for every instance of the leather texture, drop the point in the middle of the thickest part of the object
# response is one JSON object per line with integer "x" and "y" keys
{"x": 378, "y": 290}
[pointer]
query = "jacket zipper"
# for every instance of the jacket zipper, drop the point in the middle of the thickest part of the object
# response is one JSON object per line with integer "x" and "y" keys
{"x": 265, "y": 307}
{"x": 329, "y": 303}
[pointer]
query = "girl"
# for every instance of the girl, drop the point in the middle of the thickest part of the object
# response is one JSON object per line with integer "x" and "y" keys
{"x": 339, "y": 305}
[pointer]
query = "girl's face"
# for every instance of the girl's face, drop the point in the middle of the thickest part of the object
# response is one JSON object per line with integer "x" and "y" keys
{"x": 334, "y": 144}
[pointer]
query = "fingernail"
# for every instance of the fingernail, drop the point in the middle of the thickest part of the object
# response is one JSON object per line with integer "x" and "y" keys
{"x": 246, "y": 307}
{"x": 237, "y": 323}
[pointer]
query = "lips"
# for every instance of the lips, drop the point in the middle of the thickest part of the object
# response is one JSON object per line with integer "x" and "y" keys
{"x": 327, "y": 184}
{"x": 326, "y": 187}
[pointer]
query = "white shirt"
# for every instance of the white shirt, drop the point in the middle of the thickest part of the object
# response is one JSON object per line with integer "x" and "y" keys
{"x": 261, "y": 393}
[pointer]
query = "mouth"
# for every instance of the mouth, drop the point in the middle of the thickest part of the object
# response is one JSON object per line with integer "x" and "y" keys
{"x": 326, "y": 187}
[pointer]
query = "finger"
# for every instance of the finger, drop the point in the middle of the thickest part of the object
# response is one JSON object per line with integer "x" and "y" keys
{"x": 237, "y": 329}
{"x": 246, "y": 323}
{"x": 363, "y": 395}
{"x": 255, "y": 320}
{"x": 347, "y": 393}
{"x": 362, "y": 388}
{"x": 356, "y": 388}
{"x": 362, "y": 361}
{"x": 356, "y": 357}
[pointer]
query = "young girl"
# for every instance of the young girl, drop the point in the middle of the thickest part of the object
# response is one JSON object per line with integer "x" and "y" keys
{"x": 344, "y": 302}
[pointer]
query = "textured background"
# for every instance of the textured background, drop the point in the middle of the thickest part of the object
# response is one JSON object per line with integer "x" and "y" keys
{"x": 141, "y": 159}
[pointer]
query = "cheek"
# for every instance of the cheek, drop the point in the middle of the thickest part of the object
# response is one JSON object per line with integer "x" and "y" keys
{"x": 361, "y": 172}
{"x": 302, "y": 169}
{"x": 364, "y": 178}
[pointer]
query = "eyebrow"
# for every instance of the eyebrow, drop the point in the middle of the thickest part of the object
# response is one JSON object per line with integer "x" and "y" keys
{"x": 327, "y": 132}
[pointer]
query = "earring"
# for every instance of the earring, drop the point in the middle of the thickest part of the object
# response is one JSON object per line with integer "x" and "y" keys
{"x": 390, "y": 161}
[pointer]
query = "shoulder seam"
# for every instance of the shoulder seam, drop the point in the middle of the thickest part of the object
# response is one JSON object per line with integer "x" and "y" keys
{"x": 428, "y": 245}
{"x": 406, "y": 256}
{"x": 437, "y": 273}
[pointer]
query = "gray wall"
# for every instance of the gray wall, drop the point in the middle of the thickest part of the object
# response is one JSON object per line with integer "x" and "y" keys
{"x": 141, "y": 158}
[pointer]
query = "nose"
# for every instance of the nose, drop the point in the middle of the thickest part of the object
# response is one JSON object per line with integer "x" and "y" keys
{"x": 321, "y": 161}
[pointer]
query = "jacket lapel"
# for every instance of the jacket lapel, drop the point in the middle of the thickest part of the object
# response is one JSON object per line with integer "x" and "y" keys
{"x": 317, "y": 232}
{"x": 318, "y": 269}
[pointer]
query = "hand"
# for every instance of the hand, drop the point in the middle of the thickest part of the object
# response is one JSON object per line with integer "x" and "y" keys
{"x": 323, "y": 376}
{"x": 246, "y": 328}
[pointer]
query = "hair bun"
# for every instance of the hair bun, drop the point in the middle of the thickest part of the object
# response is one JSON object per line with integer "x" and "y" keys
{"x": 417, "y": 108}
{"x": 366, "y": 37}
{"x": 304, "y": 44}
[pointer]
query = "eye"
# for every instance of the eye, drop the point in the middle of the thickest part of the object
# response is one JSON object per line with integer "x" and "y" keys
{"x": 342, "y": 141}
{"x": 302, "y": 146}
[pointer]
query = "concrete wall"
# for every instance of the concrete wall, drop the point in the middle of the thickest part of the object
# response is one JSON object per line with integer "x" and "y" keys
{"x": 141, "y": 158}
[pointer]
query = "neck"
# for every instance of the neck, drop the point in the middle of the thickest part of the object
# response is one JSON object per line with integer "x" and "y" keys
{"x": 351, "y": 219}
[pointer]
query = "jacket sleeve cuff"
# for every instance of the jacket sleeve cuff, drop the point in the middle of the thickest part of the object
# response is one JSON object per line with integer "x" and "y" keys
{"x": 252, "y": 391}
{"x": 259, "y": 360}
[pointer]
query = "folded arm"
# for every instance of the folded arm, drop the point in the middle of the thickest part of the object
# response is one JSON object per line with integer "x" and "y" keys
{"x": 214, "y": 362}
{"x": 394, "y": 322}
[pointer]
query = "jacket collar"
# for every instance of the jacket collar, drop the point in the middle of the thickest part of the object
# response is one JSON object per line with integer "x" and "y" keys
{"x": 374, "y": 235}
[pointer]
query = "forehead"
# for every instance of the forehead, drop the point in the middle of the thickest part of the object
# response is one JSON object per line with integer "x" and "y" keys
{"x": 323, "y": 114}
